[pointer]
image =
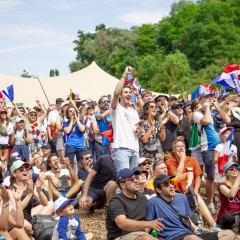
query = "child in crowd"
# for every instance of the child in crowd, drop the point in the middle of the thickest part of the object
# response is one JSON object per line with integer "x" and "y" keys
{"x": 69, "y": 223}
{"x": 231, "y": 154}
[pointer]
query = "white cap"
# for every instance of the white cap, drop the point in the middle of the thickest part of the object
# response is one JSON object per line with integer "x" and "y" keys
{"x": 141, "y": 160}
{"x": 19, "y": 120}
{"x": 64, "y": 104}
{"x": 61, "y": 202}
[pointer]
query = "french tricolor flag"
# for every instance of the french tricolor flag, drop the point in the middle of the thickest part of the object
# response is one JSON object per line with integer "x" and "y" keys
{"x": 226, "y": 153}
{"x": 8, "y": 93}
{"x": 229, "y": 78}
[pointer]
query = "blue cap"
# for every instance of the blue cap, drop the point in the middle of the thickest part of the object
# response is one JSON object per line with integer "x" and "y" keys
{"x": 46, "y": 145}
{"x": 204, "y": 94}
{"x": 187, "y": 103}
{"x": 228, "y": 165}
{"x": 124, "y": 173}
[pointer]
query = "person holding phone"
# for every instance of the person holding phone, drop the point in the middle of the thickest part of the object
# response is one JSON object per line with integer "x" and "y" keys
{"x": 124, "y": 122}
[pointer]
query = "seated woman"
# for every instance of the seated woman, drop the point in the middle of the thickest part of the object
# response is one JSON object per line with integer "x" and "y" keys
{"x": 11, "y": 222}
{"x": 21, "y": 177}
{"x": 229, "y": 193}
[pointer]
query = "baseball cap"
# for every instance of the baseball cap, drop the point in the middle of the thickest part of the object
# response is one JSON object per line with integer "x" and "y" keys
{"x": 64, "y": 104}
{"x": 228, "y": 165}
{"x": 187, "y": 103}
{"x": 61, "y": 202}
{"x": 3, "y": 111}
{"x": 172, "y": 97}
{"x": 222, "y": 130}
{"x": 161, "y": 95}
{"x": 143, "y": 159}
{"x": 17, "y": 164}
{"x": 58, "y": 100}
{"x": 207, "y": 93}
{"x": 176, "y": 105}
{"x": 138, "y": 171}
{"x": 161, "y": 179}
{"x": 46, "y": 145}
{"x": 124, "y": 173}
{"x": 32, "y": 111}
{"x": 19, "y": 120}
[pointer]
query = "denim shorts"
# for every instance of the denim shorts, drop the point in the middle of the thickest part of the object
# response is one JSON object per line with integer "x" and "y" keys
{"x": 208, "y": 159}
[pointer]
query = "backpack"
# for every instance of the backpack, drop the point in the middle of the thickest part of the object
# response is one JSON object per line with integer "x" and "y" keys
{"x": 43, "y": 226}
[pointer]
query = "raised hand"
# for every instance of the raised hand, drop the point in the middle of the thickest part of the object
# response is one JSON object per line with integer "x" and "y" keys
{"x": 39, "y": 182}
{"x": 30, "y": 186}
{"x": 5, "y": 196}
{"x": 17, "y": 194}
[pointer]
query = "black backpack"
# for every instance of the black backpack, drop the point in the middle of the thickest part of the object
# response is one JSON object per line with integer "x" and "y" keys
{"x": 43, "y": 226}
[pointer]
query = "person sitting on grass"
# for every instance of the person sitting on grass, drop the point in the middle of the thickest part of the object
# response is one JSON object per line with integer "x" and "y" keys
{"x": 69, "y": 226}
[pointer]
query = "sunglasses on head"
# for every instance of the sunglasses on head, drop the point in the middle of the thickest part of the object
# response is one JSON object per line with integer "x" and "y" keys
{"x": 89, "y": 157}
{"x": 22, "y": 169}
{"x": 105, "y": 101}
{"x": 167, "y": 184}
{"x": 17, "y": 156}
{"x": 146, "y": 163}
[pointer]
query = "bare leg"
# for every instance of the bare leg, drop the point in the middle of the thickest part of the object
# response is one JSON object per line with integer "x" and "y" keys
{"x": 75, "y": 189}
{"x": 226, "y": 235}
{"x": 19, "y": 234}
{"x": 43, "y": 209}
{"x": 5, "y": 155}
{"x": 209, "y": 190}
{"x": 110, "y": 189}
{"x": 6, "y": 235}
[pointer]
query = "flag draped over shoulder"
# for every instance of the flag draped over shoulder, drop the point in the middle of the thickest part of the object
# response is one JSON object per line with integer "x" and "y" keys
{"x": 229, "y": 78}
{"x": 225, "y": 153}
{"x": 8, "y": 93}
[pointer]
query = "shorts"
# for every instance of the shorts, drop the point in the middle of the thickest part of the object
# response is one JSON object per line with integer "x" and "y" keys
{"x": 134, "y": 235}
{"x": 60, "y": 143}
{"x": 3, "y": 146}
{"x": 205, "y": 236}
{"x": 197, "y": 154}
{"x": 208, "y": 159}
{"x": 96, "y": 194}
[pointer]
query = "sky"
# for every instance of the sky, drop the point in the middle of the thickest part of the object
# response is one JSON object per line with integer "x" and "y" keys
{"x": 38, "y": 35}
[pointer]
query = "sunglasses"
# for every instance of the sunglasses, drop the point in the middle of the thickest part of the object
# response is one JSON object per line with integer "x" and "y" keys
{"x": 91, "y": 107}
{"x": 153, "y": 106}
{"x": 22, "y": 169}
{"x": 233, "y": 169}
{"x": 179, "y": 107}
{"x": 167, "y": 184}
{"x": 83, "y": 105}
{"x": 17, "y": 156}
{"x": 146, "y": 163}
{"x": 105, "y": 101}
{"x": 132, "y": 179}
{"x": 89, "y": 157}
{"x": 161, "y": 99}
{"x": 33, "y": 114}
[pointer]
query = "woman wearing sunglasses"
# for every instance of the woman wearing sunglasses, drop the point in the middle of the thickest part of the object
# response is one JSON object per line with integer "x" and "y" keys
{"x": 229, "y": 194}
{"x": 21, "y": 177}
{"x": 153, "y": 132}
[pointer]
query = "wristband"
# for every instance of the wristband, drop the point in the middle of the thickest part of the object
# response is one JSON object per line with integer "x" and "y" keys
{"x": 39, "y": 190}
{"x": 5, "y": 205}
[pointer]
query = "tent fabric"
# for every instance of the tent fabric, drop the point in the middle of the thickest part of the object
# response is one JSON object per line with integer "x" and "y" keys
{"x": 91, "y": 82}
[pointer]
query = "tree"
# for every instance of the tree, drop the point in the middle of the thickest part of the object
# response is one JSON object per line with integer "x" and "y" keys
{"x": 26, "y": 74}
{"x": 54, "y": 73}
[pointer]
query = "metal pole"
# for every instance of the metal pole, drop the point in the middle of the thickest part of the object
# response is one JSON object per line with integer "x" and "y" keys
{"x": 37, "y": 77}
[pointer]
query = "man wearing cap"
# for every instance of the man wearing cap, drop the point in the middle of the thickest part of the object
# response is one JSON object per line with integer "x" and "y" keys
{"x": 53, "y": 118}
{"x": 126, "y": 211}
{"x": 124, "y": 123}
{"x": 172, "y": 100}
{"x": 209, "y": 140}
{"x": 169, "y": 205}
{"x": 101, "y": 122}
{"x": 171, "y": 125}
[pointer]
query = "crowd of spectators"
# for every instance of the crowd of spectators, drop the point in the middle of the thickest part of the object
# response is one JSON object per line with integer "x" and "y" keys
{"x": 139, "y": 160}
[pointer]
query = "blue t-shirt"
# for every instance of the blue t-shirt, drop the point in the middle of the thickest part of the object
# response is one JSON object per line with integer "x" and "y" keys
{"x": 82, "y": 173}
{"x": 103, "y": 126}
{"x": 67, "y": 229}
{"x": 158, "y": 208}
{"x": 75, "y": 138}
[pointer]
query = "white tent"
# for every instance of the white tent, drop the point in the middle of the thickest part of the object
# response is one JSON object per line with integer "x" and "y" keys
{"x": 91, "y": 82}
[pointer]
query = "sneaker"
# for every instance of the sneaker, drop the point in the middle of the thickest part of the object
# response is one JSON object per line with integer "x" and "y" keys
{"x": 215, "y": 228}
{"x": 199, "y": 231}
{"x": 211, "y": 208}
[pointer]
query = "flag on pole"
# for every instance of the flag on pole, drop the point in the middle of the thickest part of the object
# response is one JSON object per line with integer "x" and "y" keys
{"x": 8, "y": 93}
{"x": 225, "y": 79}
{"x": 226, "y": 152}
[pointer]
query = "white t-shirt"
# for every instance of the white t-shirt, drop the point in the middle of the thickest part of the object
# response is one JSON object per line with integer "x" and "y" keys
{"x": 217, "y": 176}
{"x": 5, "y": 139}
{"x": 53, "y": 118}
{"x": 124, "y": 122}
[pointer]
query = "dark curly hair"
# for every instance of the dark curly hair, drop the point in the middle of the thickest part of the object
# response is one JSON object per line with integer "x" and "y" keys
{"x": 145, "y": 108}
